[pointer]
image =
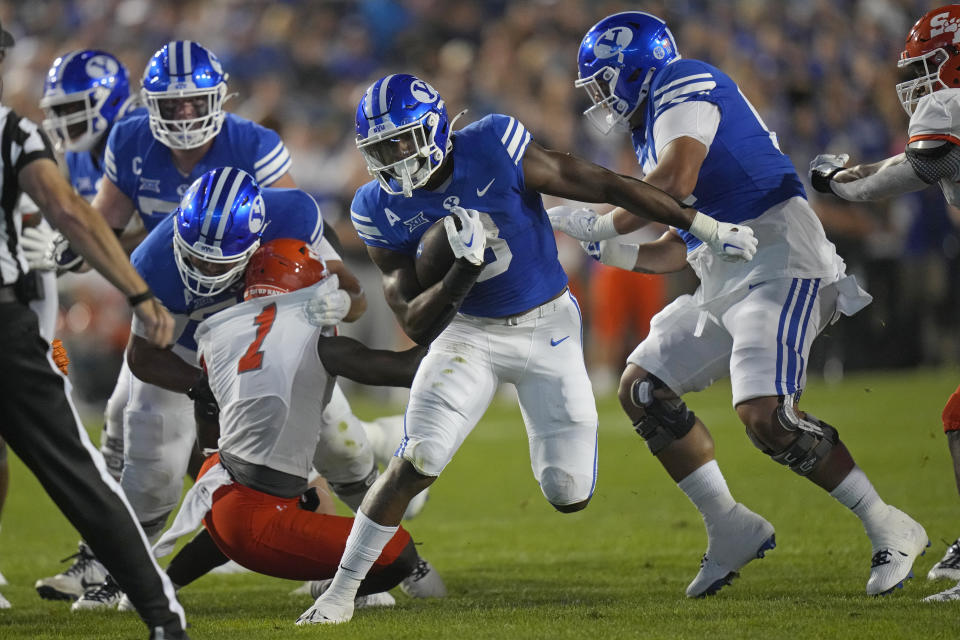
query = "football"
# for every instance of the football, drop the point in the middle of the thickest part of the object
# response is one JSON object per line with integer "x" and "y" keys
{"x": 434, "y": 255}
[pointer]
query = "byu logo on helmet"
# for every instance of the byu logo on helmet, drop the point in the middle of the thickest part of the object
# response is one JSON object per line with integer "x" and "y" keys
{"x": 256, "y": 216}
{"x": 612, "y": 42}
{"x": 100, "y": 66}
{"x": 423, "y": 92}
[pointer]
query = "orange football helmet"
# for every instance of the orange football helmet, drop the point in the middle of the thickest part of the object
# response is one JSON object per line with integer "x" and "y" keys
{"x": 933, "y": 52}
{"x": 281, "y": 266}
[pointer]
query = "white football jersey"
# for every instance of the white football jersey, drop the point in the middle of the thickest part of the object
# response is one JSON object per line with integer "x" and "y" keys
{"x": 937, "y": 117}
{"x": 262, "y": 363}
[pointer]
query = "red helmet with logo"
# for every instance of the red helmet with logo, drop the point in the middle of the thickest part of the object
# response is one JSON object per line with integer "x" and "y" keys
{"x": 280, "y": 266}
{"x": 933, "y": 52}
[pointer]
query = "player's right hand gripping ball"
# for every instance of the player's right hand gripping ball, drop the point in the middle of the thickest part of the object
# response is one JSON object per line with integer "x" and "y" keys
{"x": 469, "y": 241}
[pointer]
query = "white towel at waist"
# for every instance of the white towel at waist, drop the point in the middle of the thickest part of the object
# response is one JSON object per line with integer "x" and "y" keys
{"x": 196, "y": 504}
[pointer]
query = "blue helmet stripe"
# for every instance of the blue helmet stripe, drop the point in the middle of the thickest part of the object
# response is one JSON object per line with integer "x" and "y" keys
{"x": 212, "y": 201}
{"x": 228, "y": 205}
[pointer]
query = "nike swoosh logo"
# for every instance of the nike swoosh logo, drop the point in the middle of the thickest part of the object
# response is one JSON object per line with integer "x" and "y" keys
{"x": 732, "y": 246}
{"x": 483, "y": 192}
{"x": 754, "y": 286}
{"x": 554, "y": 343}
{"x": 469, "y": 244}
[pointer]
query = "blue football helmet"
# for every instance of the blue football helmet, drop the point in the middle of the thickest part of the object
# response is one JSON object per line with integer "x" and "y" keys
{"x": 184, "y": 88}
{"x": 85, "y": 92}
{"x": 216, "y": 229}
{"x": 616, "y": 62}
{"x": 403, "y": 132}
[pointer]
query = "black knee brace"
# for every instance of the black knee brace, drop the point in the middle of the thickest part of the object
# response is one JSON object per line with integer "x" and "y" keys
{"x": 664, "y": 420}
{"x": 815, "y": 439}
{"x": 352, "y": 493}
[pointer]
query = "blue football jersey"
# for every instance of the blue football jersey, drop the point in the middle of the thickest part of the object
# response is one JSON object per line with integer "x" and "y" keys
{"x": 744, "y": 173}
{"x": 86, "y": 168}
{"x": 289, "y": 213}
{"x": 522, "y": 270}
{"x": 142, "y": 168}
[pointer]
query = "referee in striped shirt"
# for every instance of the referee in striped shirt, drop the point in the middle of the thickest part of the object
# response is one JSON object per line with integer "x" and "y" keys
{"x": 39, "y": 421}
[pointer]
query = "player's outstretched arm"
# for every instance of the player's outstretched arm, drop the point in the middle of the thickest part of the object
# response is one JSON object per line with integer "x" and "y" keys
{"x": 570, "y": 177}
{"x": 160, "y": 367}
{"x": 567, "y": 176}
{"x": 343, "y": 356}
{"x": 422, "y": 314}
{"x": 92, "y": 238}
{"x": 875, "y": 181}
{"x": 666, "y": 254}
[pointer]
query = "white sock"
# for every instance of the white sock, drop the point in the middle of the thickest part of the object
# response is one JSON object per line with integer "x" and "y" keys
{"x": 707, "y": 490}
{"x": 364, "y": 545}
{"x": 856, "y": 492}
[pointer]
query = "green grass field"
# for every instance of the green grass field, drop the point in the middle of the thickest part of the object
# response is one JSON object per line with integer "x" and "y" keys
{"x": 517, "y": 569}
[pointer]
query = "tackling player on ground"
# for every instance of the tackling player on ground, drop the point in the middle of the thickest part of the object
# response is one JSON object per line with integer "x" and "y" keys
{"x": 698, "y": 138}
{"x": 931, "y": 97}
{"x": 502, "y": 313}
{"x": 269, "y": 373}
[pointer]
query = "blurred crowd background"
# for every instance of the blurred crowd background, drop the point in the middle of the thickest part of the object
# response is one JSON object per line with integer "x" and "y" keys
{"x": 821, "y": 73}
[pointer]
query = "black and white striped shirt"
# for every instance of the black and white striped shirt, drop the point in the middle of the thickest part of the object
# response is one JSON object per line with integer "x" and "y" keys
{"x": 21, "y": 142}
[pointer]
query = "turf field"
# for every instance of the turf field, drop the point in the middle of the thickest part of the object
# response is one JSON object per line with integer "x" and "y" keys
{"x": 517, "y": 569}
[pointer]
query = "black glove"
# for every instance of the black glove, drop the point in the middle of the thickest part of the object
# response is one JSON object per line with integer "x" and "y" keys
{"x": 206, "y": 412}
{"x": 824, "y": 167}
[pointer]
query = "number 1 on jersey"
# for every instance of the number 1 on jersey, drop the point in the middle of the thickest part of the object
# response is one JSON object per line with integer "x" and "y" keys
{"x": 253, "y": 358}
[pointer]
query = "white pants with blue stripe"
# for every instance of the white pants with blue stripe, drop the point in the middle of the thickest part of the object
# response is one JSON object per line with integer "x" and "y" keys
{"x": 761, "y": 339}
{"x": 541, "y": 353}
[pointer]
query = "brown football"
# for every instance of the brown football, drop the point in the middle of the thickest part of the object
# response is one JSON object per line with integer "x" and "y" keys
{"x": 434, "y": 255}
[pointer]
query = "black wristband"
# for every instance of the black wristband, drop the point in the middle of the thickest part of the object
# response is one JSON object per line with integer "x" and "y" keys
{"x": 821, "y": 181}
{"x": 137, "y": 298}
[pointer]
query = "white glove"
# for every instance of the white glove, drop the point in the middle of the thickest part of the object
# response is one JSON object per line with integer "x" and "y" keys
{"x": 732, "y": 242}
{"x": 824, "y": 167}
{"x": 582, "y": 223}
{"x": 470, "y": 240}
{"x": 40, "y": 247}
{"x": 329, "y": 304}
{"x": 613, "y": 253}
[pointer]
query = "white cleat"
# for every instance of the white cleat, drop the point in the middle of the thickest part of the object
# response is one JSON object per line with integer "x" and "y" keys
{"x": 741, "y": 536}
{"x": 950, "y": 595}
{"x": 324, "y": 611}
{"x": 85, "y": 572}
{"x": 4, "y": 603}
{"x": 229, "y": 568}
{"x": 949, "y": 566}
{"x": 125, "y": 604}
{"x": 105, "y": 595}
{"x": 382, "y": 599}
{"x": 895, "y": 548}
{"x": 424, "y": 582}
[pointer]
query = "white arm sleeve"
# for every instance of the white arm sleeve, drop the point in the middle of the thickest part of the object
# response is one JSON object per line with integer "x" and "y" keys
{"x": 697, "y": 119}
{"x": 891, "y": 180}
{"x": 327, "y": 252}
